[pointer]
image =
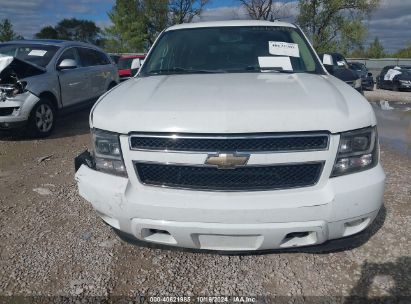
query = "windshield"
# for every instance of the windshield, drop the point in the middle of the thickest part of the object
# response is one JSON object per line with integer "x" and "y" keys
{"x": 124, "y": 63}
{"x": 357, "y": 67}
{"x": 36, "y": 54}
{"x": 231, "y": 49}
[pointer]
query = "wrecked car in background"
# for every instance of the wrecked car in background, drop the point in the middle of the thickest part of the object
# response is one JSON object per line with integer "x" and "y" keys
{"x": 367, "y": 81}
{"x": 41, "y": 78}
{"x": 395, "y": 78}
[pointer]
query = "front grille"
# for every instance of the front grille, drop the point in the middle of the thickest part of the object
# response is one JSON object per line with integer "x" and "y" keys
{"x": 248, "y": 178}
{"x": 232, "y": 143}
{"x": 6, "y": 111}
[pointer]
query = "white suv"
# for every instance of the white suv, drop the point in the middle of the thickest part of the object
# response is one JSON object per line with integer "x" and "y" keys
{"x": 233, "y": 137}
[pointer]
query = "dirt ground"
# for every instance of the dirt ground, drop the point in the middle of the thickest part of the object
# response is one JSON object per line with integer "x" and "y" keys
{"x": 52, "y": 243}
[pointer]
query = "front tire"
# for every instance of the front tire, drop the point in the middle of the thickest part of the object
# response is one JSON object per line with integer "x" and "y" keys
{"x": 42, "y": 119}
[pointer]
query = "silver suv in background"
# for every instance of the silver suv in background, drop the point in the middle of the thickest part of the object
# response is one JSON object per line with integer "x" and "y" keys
{"x": 41, "y": 78}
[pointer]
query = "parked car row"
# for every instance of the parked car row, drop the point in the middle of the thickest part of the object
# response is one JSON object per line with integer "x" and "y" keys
{"x": 391, "y": 77}
{"x": 39, "y": 79}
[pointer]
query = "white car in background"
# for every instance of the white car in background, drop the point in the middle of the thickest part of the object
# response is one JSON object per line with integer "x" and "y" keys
{"x": 233, "y": 137}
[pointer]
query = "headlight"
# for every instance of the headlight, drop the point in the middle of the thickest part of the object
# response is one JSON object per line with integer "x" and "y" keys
{"x": 107, "y": 152}
{"x": 358, "y": 151}
{"x": 12, "y": 90}
{"x": 357, "y": 83}
{"x": 405, "y": 81}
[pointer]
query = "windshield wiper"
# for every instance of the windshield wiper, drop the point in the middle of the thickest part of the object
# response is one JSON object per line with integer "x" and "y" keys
{"x": 182, "y": 71}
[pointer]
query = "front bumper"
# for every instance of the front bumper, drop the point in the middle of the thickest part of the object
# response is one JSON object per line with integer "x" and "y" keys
{"x": 404, "y": 86}
{"x": 23, "y": 104}
{"x": 367, "y": 84}
{"x": 242, "y": 221}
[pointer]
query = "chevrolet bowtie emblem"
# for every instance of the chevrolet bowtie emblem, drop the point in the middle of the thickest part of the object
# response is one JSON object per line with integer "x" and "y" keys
{"x": 227, "y": 160}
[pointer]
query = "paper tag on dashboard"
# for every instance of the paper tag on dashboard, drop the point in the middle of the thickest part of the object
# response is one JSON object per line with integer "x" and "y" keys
{"x": 282, "y": 63}
{"x": 37, "y": 53}
{"x": 283, "y": 48}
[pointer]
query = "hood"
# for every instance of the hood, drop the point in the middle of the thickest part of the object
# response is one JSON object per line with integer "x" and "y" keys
{"x": 13, "y": 69}
{"x": 232, "y": 103}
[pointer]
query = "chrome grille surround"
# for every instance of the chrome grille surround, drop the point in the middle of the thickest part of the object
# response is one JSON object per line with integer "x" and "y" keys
{"x": 234, "y": 178}
{"x": 218, "y": 143}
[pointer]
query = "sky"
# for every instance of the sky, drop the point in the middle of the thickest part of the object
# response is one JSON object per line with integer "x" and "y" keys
{"x": 391, "y": 23}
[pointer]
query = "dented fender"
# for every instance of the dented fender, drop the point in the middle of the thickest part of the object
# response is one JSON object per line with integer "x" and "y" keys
{"x": 105, "y": 192}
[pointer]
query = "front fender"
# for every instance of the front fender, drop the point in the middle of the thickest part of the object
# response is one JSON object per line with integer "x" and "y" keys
{"x": 44, "y": 83}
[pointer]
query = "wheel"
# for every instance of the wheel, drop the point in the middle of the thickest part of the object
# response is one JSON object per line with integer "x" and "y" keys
{"x": 42, "y": 119}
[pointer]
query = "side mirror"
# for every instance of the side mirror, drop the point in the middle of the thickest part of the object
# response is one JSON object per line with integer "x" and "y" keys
{"x": 328, "y": 59}
{"x": 135, "y": 66}
{"x": 369, "y": 74}
{"x": 67, "y": 64}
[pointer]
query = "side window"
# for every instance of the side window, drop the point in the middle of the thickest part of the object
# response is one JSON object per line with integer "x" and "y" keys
{"x": 90, "y": 57}
{"x": 87, "y": 57}
{"x": 68, "y": 54}
{"x": 103, "y": 59}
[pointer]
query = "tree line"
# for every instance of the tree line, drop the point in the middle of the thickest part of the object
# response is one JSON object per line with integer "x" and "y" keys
{"x": 331, "y": 25}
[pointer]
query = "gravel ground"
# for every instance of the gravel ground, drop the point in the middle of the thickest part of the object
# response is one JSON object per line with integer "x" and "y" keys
{"x": 52, "y": 243}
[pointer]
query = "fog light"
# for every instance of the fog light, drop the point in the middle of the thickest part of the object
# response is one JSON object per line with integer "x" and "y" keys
{"x": 16, "y": 111}
{"x": 354, "y": 223}
{"x": 355, "y": 226}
